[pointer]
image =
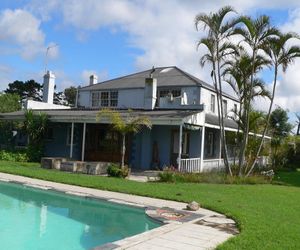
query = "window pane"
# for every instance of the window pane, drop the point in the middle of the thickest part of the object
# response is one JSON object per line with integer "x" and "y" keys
{"x": 114, "y": 98}
{"x": 95, "y": 99}
{"x": 212, "y": 103}
{"x": 104, "y": 99}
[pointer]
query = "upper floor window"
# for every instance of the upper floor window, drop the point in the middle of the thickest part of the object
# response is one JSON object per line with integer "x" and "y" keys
{"x": 95, "y": 99}
{"x": 114, "y": 98}
{"x": 105, "y": 99}
{"x": 213, "y": 103}
{"x": 167, "y": 92}
{"x": 225, "y": 108}
{"x": 235, "y": 110}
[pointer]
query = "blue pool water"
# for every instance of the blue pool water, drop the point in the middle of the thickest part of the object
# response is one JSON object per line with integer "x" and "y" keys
{"x": 32, "y": 219}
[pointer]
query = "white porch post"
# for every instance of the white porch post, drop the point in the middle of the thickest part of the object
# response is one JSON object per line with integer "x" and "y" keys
{"x": 202, "y": 148}
{"x": 179, "y": 147}
{"x": 72, "y": 138}
{"x": 83, "y": 141}
{"x": 220, "y": 149}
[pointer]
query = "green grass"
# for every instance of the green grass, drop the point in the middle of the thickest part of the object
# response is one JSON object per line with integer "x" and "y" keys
{"x": 267, "y": 215}
{"x": 291, "y": 178}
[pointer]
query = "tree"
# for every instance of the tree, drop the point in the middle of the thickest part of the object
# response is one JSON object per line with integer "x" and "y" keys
{"x": 9, "y": 103}
{"x": 218, "y": 48}
{"x": 70, "y": 94}
{"x": 298, "y": 124}
{"x": 124, "y": 124}
{"x": 237, "y": 74}
{"x": 255, "y": 35}
{"x": 35, "y": 126}
{"x": 279, "y": 124}
{"x": 29, "y": 89}
{"x": 281, "y": 56}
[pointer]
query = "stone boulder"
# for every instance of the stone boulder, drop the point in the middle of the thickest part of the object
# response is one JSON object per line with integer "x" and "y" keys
{"x": 193, "y": 206}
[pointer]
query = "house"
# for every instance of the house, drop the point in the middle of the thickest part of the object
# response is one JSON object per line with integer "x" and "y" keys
{"x": 181, "y": 107}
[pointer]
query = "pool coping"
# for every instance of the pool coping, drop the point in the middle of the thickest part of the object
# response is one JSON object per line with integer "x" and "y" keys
{"x": 188, "y": 220}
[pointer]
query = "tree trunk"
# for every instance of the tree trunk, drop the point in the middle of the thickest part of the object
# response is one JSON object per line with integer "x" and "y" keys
{"x": 123, "y": 151}
{"x": 267, "y": 123}
{"x": 222, "y": 129}
{"x": 247, "y": 117}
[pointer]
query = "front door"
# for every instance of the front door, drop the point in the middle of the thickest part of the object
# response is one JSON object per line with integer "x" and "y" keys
{"x": 175, "y": 146}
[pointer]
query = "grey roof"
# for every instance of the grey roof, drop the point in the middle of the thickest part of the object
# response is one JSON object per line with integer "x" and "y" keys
{"x": 84, "y": 114}
{"x": 166, "y": 76}
{"x": 214, "y": 120}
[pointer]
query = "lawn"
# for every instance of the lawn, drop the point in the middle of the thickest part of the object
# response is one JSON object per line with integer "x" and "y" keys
{"x": 268, "y": 215}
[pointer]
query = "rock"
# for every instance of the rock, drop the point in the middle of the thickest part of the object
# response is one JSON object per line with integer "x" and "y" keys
{"x": 193, "y": 206}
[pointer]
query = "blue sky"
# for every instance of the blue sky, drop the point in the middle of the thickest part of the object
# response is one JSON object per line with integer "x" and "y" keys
{"x": 116, "y": 37}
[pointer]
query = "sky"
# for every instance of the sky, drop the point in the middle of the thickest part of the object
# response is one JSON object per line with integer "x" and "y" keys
{"x": 112, "y": 38}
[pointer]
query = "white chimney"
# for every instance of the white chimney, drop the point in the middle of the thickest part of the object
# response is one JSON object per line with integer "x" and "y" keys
{"x": 48, "y": 87}
{"x": 150, "y": 93}
{"x": 93, "y": 79}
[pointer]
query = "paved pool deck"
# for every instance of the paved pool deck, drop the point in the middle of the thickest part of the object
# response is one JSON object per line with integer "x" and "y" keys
{"x": 205, "y": 230}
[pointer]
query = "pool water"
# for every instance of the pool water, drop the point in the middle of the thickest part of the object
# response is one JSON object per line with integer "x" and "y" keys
{"x": 33, "y": 219}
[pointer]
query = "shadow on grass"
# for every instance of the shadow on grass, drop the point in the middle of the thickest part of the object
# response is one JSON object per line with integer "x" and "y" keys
{"x": 290, "y": 178}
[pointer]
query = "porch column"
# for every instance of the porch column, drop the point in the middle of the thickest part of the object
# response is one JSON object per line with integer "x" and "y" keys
{"x": 72, "y": 138}
{"x": 83, "y": 141}
{"x": 179, "y": 147}
{"x": 202, "y": 148}
{"x": 220, "y": 149}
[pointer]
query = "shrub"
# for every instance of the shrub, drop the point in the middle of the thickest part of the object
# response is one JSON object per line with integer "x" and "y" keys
{"x": 15, "y": 156}
{"x": 114, "y": 170}
{"x": 211, "y": 177}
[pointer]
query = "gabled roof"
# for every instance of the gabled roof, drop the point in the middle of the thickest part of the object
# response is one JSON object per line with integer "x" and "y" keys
{"x": 166, "y": 76}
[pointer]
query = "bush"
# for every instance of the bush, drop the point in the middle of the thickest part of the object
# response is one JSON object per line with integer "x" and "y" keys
{"x": 211, "y": 177}
{"x": 115, "y": 170}
{"x": 15, "y": 156}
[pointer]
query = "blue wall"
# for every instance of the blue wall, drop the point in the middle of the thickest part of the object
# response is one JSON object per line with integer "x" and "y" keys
{"x": 57, "y": 147}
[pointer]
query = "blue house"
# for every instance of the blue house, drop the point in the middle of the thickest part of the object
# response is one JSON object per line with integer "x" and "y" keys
{"x": 183, "y": 110}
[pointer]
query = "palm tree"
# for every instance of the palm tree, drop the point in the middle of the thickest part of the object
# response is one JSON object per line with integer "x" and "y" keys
{"x": 218, "y": 48}
{"x": 255, "y": 34}
{"x": 298, "y": 124}
{"x": 237, "y": 74}
{"x": 126, "y": 124}
{"x": 281, "y": 56}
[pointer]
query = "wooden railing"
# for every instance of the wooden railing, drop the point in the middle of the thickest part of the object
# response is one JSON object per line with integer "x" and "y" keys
{"x": 191, "y": 165}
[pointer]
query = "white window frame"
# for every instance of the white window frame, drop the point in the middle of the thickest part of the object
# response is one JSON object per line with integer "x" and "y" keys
{"x": 225, "y": 107}
{"x": 213, "y": 103}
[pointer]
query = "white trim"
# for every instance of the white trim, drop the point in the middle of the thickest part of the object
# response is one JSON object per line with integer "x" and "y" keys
{"x": 235, "y": 130}
{"x": 180, "y": 146}
{"x": 83, "y": 141}
{"x": 202, "y": 148}
{"x": 72, "y": 138}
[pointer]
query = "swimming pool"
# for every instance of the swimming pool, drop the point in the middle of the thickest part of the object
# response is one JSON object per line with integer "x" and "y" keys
{"x": 33, "y": 219}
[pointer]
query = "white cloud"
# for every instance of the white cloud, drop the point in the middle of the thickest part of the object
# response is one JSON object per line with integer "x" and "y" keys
{"x": 23, "y": 30}
{"x": 165, "y": 31}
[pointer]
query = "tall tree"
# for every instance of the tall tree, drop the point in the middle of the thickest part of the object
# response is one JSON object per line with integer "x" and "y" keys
{"x": 281, "y": 56}
{"x": 29, "y": 89}
{"x": 126, "y": 124}
{"x": 237, "y": 74}
{"x": 218, "y": 48}
{"x": 255, "y": 35}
